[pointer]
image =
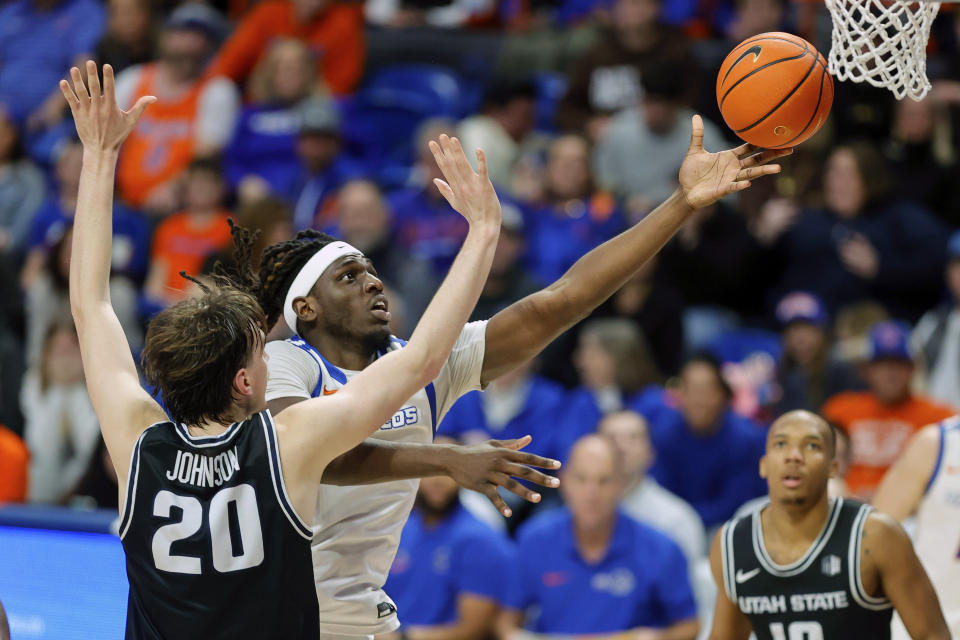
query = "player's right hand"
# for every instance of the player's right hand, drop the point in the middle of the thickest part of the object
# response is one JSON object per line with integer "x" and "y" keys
{"x": 470, "y": 193}
{"x": 101, "y": 124}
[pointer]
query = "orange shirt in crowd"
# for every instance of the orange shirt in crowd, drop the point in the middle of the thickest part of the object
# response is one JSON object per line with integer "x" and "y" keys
{"x": 183, "y": 243}
{"x": 162, "y": 144}
{"x": 13, "y": 467}
{"x": 878, "y": 433}
{"x": 335, "y": 36}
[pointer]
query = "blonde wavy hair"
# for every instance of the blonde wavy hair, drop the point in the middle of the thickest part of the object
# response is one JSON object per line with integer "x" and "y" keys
{"x": 261, "y": 84}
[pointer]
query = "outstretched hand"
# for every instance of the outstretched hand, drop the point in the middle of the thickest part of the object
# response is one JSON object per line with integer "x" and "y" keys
{"x": 495, "y": 463}
{"x": 470, "y": 193}
{"x": 101, "y": 123}
{"x": 706, "y": 177}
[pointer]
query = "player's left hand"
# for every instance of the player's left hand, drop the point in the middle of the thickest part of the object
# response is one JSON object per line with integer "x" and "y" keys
{"x": 706, "y": 177}
{"x": 101, "y": 124}
{"x": 495, "y": 463}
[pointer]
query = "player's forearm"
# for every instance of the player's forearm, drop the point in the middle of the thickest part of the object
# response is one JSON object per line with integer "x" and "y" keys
{"x": 600, "y": 273}
{"x": 93, "y": 232}
{"x": 454, "y": 301}
{"x": 380, "y": 461}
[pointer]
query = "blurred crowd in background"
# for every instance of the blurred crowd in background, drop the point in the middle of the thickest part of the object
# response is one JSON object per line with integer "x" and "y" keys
{"x": 833, "y": 287}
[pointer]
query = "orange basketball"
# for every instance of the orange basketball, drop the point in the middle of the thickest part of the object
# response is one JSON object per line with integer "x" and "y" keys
{"x": 774, "y": 90}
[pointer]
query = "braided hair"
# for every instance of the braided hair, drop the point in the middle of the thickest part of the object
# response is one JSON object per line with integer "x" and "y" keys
{"x": 279, "y": 265}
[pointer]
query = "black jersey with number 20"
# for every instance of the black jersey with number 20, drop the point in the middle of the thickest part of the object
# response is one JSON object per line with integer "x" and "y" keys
{"x": 214, "y": 548}
{"x": 818, "y": 596}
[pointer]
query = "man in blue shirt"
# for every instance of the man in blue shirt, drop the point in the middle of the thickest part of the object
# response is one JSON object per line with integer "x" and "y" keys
{"x": 448, "y": 579}
{"x": 39, "y": 40}
{"x": 590, "y": 569}
{"x": 707, "y": 454}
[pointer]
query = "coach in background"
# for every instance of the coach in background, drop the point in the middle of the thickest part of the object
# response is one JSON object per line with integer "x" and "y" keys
{"x": 588, "y": 568}
{"x": 448, "y": 578}
{"x": 881, "y": 420}
{"x": 937, "y": 336}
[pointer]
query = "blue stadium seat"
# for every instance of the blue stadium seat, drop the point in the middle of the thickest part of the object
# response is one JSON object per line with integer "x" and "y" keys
{"x": 382, "y": 118}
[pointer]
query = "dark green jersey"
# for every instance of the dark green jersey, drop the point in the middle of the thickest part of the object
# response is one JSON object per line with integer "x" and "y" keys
{"x": 818, "y": 596}
{"x": 214, "y": 548}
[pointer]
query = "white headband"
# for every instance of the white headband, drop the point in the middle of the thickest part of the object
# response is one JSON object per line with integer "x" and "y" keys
{"x": 310, "y": 273}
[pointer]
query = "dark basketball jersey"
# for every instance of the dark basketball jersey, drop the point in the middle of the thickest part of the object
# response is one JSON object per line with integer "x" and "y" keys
{"x": 818, "y": 596}
{"x": 214, "y": 548}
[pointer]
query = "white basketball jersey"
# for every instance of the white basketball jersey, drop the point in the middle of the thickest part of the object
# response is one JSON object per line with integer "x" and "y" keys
{"x": 938, "y": 524}
{"x": 356, "y": 530}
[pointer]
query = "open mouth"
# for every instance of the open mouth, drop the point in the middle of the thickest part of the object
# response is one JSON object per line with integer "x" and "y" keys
{"x": 379, "y": 309}
{"x": 792, "y": 481}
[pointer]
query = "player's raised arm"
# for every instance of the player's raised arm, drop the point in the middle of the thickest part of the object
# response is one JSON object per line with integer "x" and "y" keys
{"x": 888, "y": 552}
{"x": 521, "y": 331}
{"x": 123, "y": 407}
{"x": 361, "y": 406}
{"x": 729, "y": 623}
{"x": 906, "y": 481}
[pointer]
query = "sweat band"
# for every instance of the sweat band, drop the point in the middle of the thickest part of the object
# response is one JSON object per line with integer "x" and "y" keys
{"x": 310, "y": 273}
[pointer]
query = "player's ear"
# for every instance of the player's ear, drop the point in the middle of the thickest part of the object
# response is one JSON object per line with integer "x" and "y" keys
{"x": 763, "y": 466}
{"x": 305, "y": 309}
{"x": 242, "y": 383}
{"x": 834, "y": 467}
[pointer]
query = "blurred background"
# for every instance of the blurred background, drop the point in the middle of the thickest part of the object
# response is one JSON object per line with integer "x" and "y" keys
{"x": 833, "y": 286}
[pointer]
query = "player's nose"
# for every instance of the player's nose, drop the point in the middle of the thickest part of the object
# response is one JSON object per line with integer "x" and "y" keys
{"x": 373, "y": 284}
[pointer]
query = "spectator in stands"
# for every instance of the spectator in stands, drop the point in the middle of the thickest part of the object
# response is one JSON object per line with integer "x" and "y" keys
{"x": 262, "y": 155}
{"x": 607, "y": 79}
{"x": 718, "y": 267}
{"x": 517, "y": 404}
{"x": 656, "y": 126}
{"x": 808, "y": 373}
{"x": 644, "y": 499}
{"x": 654, "y": 304}
{"x": 183, "y": 241}
{"x": 861, "y": 245}
{"x": 62, "y": 431}
{"x": 572, "y": 217}
{"x": 364, "y": 221}
{"x": 131, "y": 36}
{"x": 508, "y": 281}
{"x": 502, "y": 128}
{"x": 937, "y": 336}
{"x": 271, "y": 217}
{"x": 752, "y": 17}
{"x": 39, "y": 41}
{"x": 14, "y": 460}
{"x": 426, "y": 225}
{"x": 332, "y": 30}
{"x": 922, "y": 157}
{"x": 321, "y": 168}
{"x": 22, "y": 188}
{"x": 450, "y": 574}
{"x": 194, "y": 116}
{"x": 451, "y": 14}
{"x": 704, "y": 434}
{"x": 616, "y": 372}
{"x": 881, "y": 420}
{"x": 131, "y": 232}
{"x": 589, "y": 569}
{"x": 97, "y": 487}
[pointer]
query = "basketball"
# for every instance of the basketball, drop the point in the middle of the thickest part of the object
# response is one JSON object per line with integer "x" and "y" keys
{"x": 774, "y": 90}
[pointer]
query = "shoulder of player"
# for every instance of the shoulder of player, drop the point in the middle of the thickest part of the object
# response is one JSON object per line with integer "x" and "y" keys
{"x": 924, "y": 445}
{"x": 882, "y": 539}
{"x": 287, "y": 350}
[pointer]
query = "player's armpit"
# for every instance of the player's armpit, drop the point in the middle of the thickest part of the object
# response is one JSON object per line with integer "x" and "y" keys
{"x": 729, "y": 623}
{"x": 904, "y": 484}
{"x": 890, "y": 567}
{"x": 279, "y": 404}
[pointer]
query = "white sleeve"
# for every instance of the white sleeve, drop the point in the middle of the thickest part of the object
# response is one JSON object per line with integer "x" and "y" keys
{"x": 126, "y": 84}
{"x": 217, "y": 114}
{"x": 461, "y": 372}
{"x": 291, "y": 372}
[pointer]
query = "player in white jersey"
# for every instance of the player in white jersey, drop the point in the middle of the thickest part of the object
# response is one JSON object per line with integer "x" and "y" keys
{"x": 925, "y": 481}
{"x": 341, "y": 324}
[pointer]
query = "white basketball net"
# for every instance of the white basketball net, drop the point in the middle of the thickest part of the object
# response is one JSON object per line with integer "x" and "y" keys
{"x": 883, "y": 43}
